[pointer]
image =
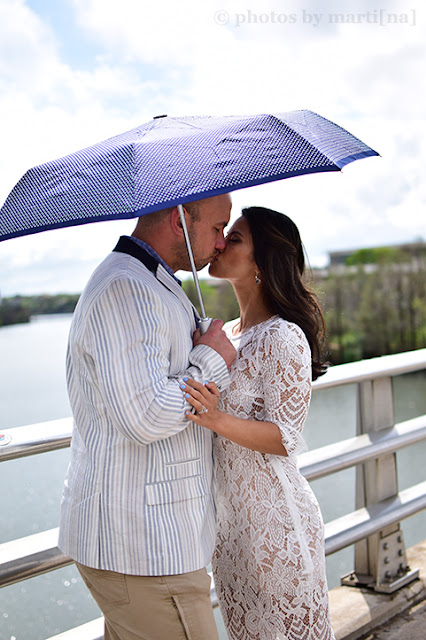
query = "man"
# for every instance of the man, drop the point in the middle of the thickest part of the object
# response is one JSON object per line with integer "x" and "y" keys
{"x": 137, "y": 512}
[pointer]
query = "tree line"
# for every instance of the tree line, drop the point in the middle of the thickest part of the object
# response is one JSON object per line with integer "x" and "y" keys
{"x": 374, "y": 304}
{"x": 17, "y": 309}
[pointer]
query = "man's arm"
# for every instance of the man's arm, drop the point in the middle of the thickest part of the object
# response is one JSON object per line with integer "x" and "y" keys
{"x": 131, "y": 344}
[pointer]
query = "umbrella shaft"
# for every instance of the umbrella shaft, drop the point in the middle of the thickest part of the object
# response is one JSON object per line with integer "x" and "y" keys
{"x": 191, "y": 259}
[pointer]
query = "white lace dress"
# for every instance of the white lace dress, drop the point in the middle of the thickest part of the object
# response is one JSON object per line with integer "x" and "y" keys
{"x": 269, "y": 563}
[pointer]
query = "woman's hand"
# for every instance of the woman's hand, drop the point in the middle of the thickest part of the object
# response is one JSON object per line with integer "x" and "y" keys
{"x": 204, "y": 399}
{"x": 252, "y": 434}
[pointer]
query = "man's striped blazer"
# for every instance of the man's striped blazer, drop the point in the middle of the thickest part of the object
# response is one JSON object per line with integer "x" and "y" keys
{"x": 138, "y": 493}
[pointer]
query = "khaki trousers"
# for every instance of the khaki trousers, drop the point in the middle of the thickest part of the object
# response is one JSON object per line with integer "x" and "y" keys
{"x": 151, "y": 607}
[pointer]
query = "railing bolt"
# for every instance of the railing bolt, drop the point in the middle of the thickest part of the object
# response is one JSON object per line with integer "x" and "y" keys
{"x": 386, "y": 560}
{"x": 385, "y": 545}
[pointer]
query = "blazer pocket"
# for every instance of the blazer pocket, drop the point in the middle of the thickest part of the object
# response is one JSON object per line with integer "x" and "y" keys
{"x": 175, "y": 490}
{"x": 182, "y": 469}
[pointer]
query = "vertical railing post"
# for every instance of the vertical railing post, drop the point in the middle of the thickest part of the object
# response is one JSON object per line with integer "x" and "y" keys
{"x": 375, "y": 479}
{"x": 380, "y": 560}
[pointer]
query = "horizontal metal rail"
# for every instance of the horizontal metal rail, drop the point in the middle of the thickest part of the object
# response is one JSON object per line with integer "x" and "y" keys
{"x": 31, "y": 556}
{"x": 35, "y": 438}
{"x": 56, "y": 434}
{"x": 37, "y": 554}
{"x": 93, "y": 630}
{"x": 384, "y": 366}
{"x": 338, "y": 534}
{"x": 348, "y": 453}
{"x": 355, "y": 526}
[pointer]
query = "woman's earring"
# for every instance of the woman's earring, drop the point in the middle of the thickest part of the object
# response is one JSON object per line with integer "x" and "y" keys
{"x": 257, "y": 278}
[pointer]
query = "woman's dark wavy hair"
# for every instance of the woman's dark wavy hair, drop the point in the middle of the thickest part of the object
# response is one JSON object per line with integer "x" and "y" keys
{"x": 279, "y": 255}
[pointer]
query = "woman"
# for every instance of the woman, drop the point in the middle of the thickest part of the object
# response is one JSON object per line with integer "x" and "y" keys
{"x": 269, "y": 563}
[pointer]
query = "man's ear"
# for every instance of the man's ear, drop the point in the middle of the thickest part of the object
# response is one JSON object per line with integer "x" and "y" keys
{"x": 175, "y": 222}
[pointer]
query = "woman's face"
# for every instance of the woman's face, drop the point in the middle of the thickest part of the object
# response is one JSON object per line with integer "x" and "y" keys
{"x": 236, "y": 262}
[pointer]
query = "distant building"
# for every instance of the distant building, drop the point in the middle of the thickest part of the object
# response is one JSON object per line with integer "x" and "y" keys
{"x": 415, "y": 249}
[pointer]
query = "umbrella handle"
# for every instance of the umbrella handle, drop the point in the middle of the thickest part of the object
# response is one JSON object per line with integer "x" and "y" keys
{"x": 204, "y": 324}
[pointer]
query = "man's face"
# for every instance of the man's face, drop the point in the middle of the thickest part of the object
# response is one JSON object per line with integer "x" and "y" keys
{"x": 206, "y": 233}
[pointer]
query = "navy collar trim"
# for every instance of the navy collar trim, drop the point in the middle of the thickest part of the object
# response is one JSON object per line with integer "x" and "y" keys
{"x": 126, "y": 245}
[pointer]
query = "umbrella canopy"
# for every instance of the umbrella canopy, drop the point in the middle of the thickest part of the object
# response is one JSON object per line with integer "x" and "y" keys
{"x": 172, "y": 161}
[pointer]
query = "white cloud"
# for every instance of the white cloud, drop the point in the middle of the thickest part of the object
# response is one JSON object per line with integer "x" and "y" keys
{"x": 23, "y": 65}
{"x": 163, "y": 35}
{"x": 177, "y": 58}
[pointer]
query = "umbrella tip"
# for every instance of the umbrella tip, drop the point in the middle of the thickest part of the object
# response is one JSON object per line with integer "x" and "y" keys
{"x": 164, "y": 115}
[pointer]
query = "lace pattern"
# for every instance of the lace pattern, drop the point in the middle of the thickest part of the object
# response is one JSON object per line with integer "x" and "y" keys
{"x": 269, "y": 564}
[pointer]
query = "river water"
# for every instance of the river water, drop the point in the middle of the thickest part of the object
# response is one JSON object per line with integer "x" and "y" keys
{"x": 32, "y": 389}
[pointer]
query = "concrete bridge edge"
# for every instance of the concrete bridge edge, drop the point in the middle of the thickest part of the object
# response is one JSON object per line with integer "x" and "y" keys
{"x": 357, "y": 613}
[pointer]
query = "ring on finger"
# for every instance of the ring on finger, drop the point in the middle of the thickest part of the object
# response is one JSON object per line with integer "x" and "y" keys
{"x": 203, "y": 410}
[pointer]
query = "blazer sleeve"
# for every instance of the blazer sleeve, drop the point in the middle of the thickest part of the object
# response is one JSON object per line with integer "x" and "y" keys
{"x": 131, "y": 340}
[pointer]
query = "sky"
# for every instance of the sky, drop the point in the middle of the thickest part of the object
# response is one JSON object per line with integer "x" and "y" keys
{"x": 75, "y": 72}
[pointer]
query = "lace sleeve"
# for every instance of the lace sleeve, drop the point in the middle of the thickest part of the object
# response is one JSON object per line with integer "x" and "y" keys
{"x": 285, "y": 360}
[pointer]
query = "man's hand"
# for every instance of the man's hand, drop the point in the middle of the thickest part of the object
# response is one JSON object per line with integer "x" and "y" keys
{"x": 216, "y": 338}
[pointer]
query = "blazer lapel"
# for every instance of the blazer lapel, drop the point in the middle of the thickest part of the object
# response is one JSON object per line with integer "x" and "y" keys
{"x": 168, "y": 281}
{"x": 126, "y": 245}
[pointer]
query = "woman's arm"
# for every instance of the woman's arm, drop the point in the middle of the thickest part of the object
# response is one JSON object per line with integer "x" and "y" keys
{"x": 252, "y": 434}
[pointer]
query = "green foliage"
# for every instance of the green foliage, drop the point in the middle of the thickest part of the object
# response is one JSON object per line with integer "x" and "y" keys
{"x": 348, "y": 348}
{"x": 378, "y": 309}
{"x": 60, "y": 303}
{"x": 380, "y": 255}
{"x": 219, "y": 299}
{"x": 20, "y": 308}
{"x": 13, "y": 311}
{"x": 374, "y": 308}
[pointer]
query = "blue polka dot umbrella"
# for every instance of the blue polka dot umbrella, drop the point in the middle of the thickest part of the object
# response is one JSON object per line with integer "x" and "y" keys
{"x": 171, "y": 161}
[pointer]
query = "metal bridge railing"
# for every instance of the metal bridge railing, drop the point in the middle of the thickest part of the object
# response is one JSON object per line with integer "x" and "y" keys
{"x": 374, "y": 527}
